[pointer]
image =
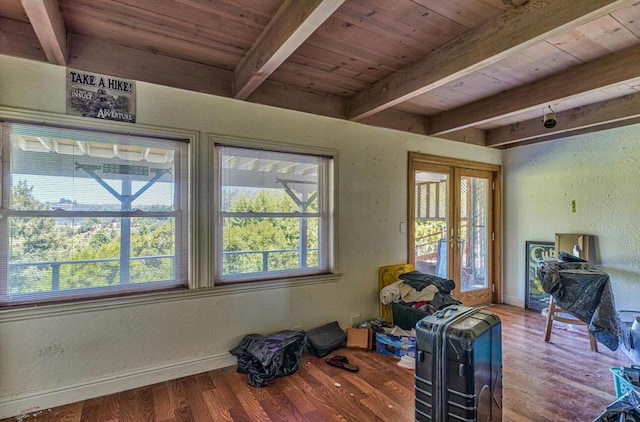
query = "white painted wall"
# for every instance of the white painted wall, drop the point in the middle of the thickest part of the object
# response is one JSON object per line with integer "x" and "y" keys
{"x": 100, "y": 351}
{"x": 601, "y": 172}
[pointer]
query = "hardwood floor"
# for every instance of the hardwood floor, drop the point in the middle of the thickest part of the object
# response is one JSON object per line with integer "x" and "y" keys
{"x": 558, "y": 381}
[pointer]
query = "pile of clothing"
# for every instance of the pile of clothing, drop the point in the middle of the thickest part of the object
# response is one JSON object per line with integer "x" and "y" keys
{"x": 426, "y": 292}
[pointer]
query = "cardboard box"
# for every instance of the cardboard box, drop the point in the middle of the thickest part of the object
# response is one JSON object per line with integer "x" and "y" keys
{"x": 399, "y": 346}
{"x": 359, "y": 338}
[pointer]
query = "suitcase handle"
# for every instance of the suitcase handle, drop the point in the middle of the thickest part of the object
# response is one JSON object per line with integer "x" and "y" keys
{"x": 445, "y": 313}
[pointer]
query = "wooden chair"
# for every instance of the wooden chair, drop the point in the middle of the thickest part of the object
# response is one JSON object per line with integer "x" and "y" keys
{"x": 554, "y": 313}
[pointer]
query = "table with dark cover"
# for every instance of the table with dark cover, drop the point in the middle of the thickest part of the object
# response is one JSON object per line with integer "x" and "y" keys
{"x": 584, "y": 291}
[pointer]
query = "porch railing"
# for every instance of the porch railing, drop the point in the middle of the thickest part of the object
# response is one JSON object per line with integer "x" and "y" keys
{"x": 265, "y": 255}
{"x": 56, "y": 265}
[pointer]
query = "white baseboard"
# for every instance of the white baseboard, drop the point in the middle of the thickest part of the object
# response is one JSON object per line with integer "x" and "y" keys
{"x": 512, "y": 300}
{"x": 34, "y": 401}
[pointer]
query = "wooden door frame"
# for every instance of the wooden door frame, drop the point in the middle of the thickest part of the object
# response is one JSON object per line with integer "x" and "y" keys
{"x": 495, "y": 264}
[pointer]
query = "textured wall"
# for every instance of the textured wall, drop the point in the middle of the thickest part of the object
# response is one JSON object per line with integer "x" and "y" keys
{"x": 600, "y": 172}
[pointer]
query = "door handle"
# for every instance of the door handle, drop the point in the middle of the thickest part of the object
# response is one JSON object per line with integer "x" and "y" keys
{"x": 453, "y": 239}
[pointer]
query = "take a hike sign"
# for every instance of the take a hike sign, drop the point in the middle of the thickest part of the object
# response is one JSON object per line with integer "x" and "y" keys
{"x": 100, "y": 96}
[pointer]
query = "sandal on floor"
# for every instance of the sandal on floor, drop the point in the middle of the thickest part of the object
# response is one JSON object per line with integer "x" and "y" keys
{"x": 342, "y": 362}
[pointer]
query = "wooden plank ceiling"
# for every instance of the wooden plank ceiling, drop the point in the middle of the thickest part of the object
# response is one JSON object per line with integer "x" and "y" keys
{"x": 477, "y": 71}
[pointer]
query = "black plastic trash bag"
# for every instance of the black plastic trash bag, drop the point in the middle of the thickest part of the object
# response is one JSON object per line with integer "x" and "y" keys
{"x": 264, "y": 358}
{"x": 625, "y": 409}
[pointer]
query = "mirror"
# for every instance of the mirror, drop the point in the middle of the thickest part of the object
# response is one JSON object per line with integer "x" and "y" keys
{"x": 565, "y": 242}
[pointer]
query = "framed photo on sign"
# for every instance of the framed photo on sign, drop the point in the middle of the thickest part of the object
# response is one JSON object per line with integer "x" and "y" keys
{"x": 536, "y": 298}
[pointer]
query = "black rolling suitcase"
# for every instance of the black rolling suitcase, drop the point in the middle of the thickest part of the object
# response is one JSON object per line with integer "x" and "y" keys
{"x": 459, "y": 366}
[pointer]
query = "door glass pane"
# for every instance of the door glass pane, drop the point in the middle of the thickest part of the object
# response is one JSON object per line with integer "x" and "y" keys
{"x": 473, "y": 233}
{"x": 431, "y": 190}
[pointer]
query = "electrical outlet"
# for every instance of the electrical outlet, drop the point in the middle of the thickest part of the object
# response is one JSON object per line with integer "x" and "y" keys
{"x": 355, "y": 320}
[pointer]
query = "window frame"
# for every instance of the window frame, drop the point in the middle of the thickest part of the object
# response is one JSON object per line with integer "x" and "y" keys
{"x": 330, "y": 225}
{"x": 182, "y": 213}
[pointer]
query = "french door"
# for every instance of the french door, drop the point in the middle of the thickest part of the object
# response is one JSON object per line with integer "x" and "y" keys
{"x": 454, "y": 210}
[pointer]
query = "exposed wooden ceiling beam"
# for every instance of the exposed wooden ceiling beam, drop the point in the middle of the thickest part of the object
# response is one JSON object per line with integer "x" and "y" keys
{"x": 618, "y": 110}
{"x": 576, "y": 132}
{"x": 17, "y": 39}
{"x": 280, "y": 95}
{"x": 468, "y": 136}
{"x": 513, "y": 31}
{"x": 398, "y": 120}
{"x": 609, "y": 70}
{"x": 130, "y": 63}
{"x": 277, "y": 94}
{"x": 97, "y": 56}
{"x": 292, "y": 25}
{"x": 48, "y": 25}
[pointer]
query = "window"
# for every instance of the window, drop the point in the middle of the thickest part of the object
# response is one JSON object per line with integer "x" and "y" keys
{"x": 88, "y": 214}
{"x": 274, "y": 215}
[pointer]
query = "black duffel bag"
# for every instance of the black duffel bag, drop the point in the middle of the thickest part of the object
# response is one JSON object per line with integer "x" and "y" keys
{"x": 324, "y": 339}
{"x": 264, "y": 358}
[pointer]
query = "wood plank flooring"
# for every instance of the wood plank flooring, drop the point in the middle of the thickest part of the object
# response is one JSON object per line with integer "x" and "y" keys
{"x": 558, "y": 381}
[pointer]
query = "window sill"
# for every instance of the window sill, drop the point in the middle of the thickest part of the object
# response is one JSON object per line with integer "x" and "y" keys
{"x": 61, "y": 309}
